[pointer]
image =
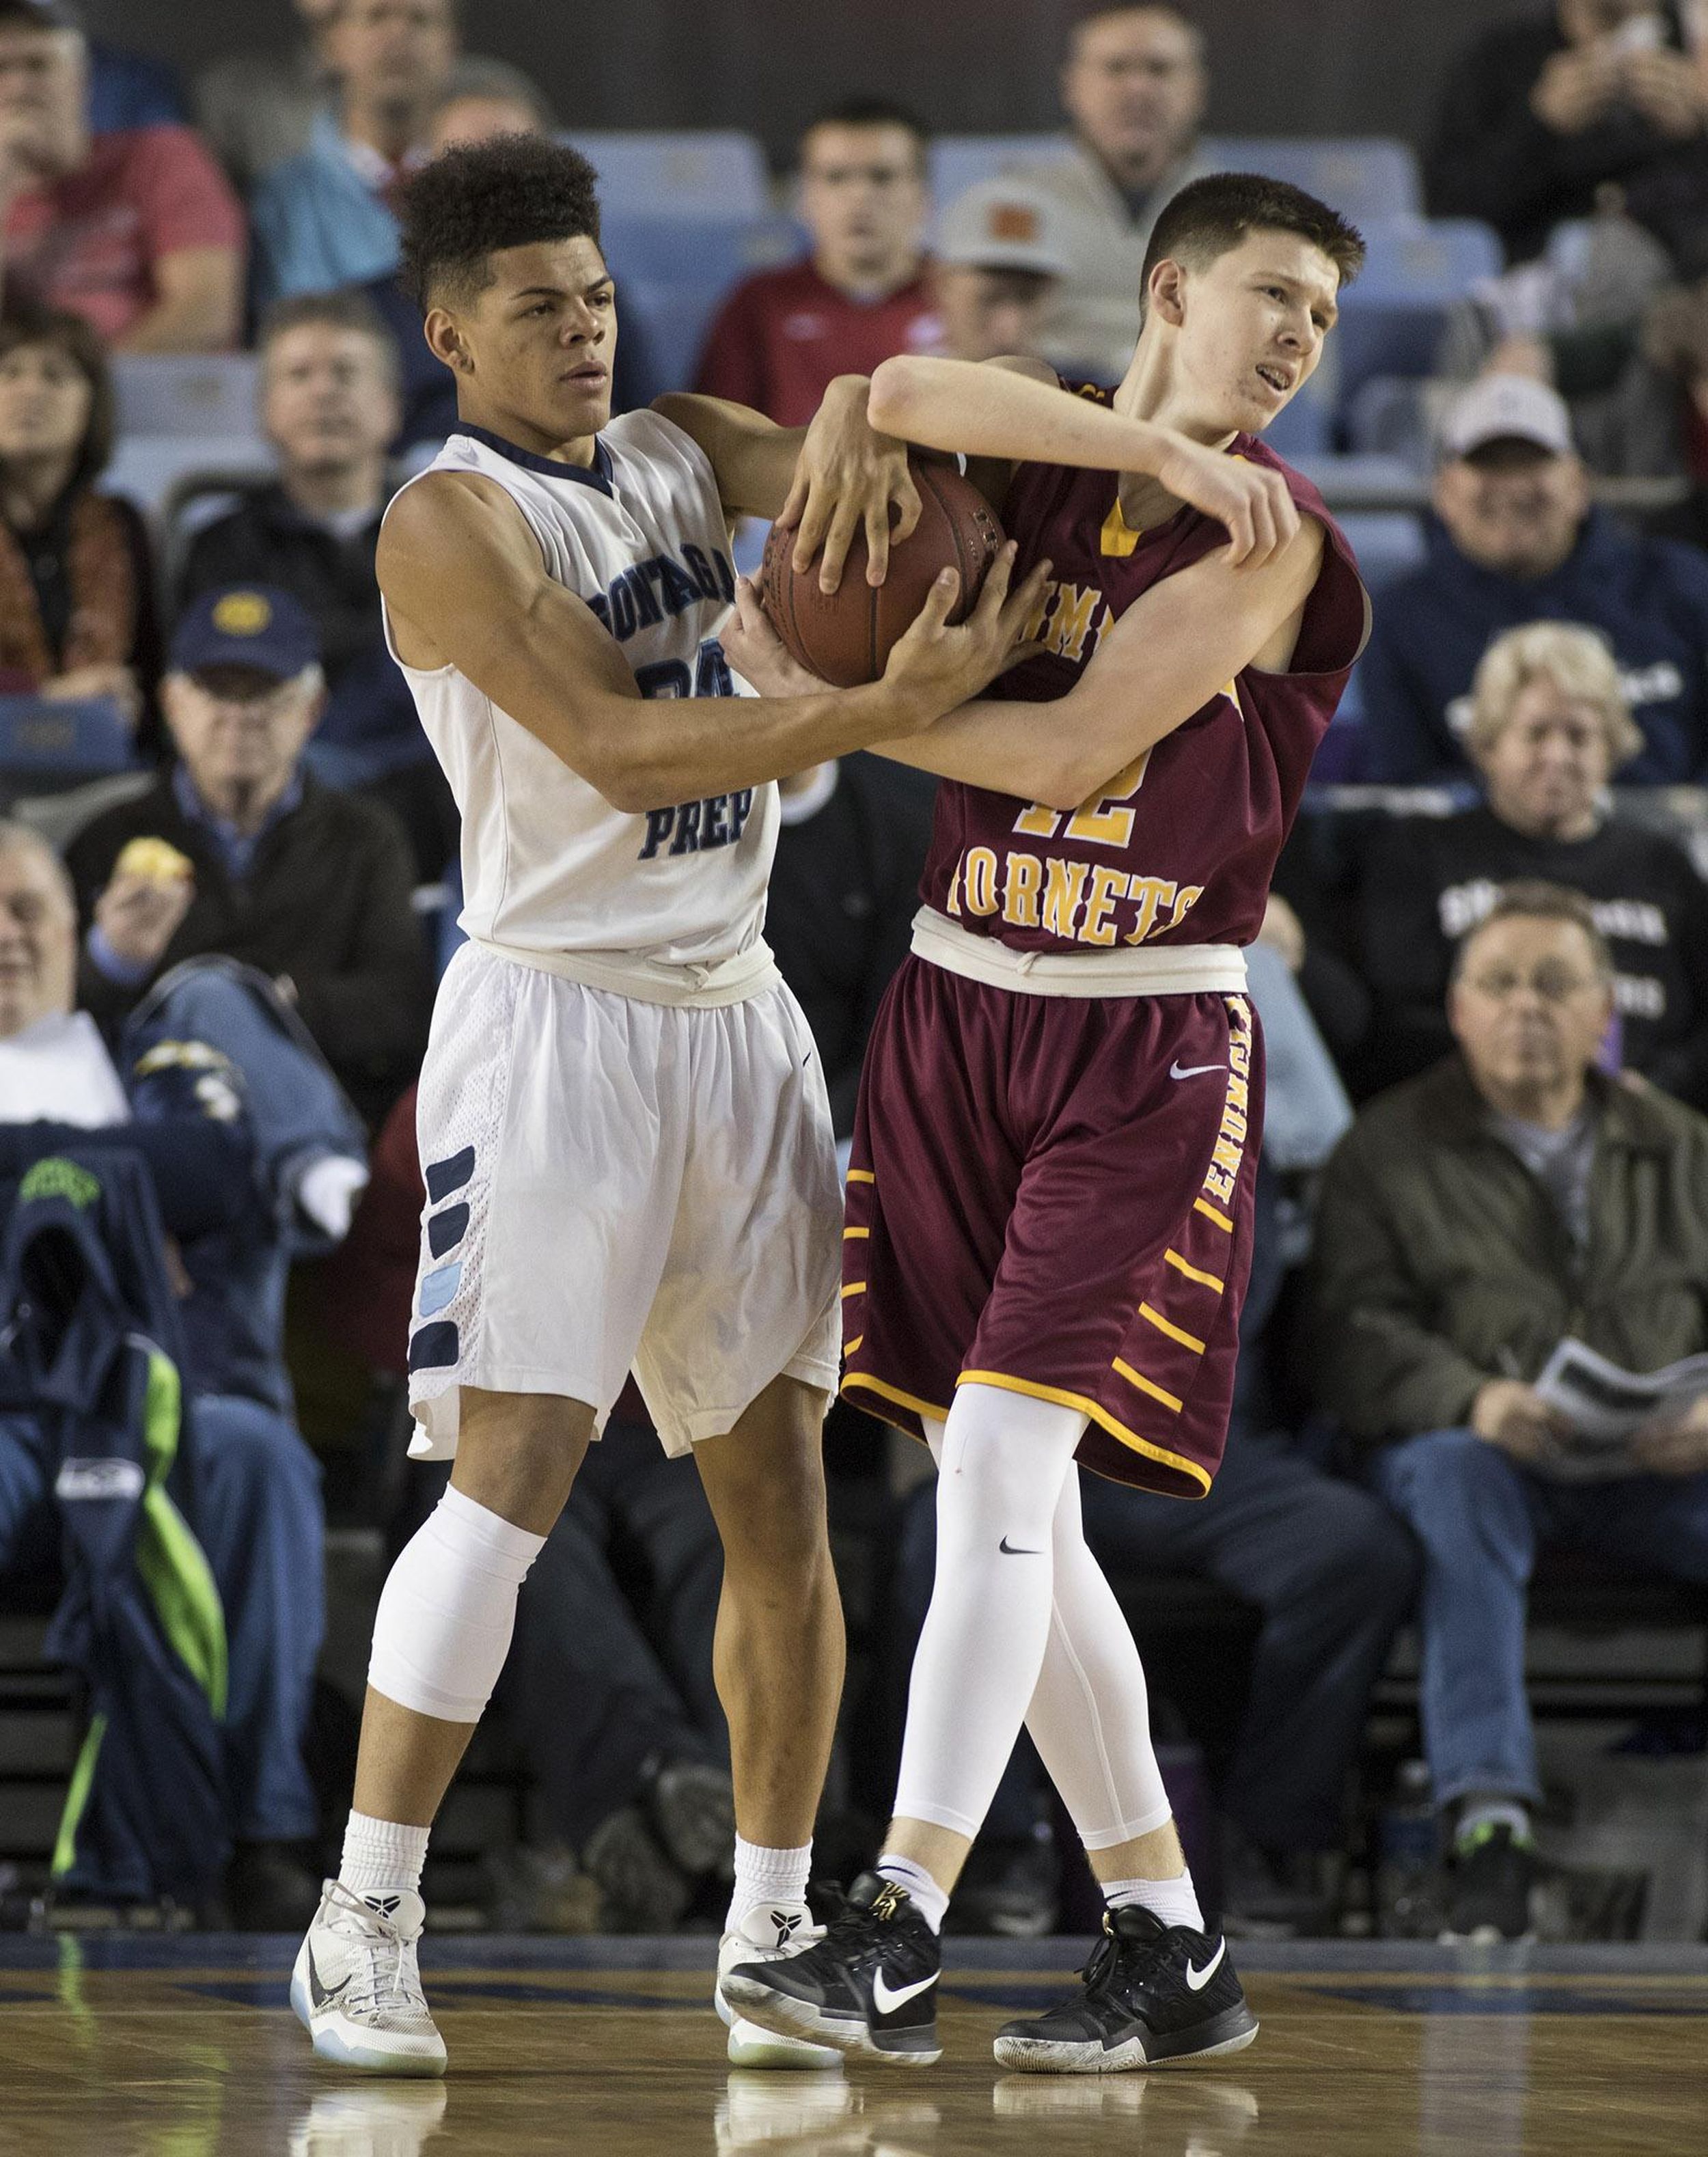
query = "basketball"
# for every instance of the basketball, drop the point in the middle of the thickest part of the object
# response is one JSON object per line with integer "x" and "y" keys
{"x": 846, "y": 636}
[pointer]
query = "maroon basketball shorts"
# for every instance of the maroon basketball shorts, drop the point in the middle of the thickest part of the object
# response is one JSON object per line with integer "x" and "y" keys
{"x": 1054, "y": 1195}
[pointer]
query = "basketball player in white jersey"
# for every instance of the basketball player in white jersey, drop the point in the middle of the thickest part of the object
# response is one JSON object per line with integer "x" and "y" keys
{"x": 623, "y": 1125}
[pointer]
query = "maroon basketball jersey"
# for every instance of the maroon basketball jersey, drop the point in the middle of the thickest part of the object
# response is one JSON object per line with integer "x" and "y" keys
{"x": 1181, "y": 847}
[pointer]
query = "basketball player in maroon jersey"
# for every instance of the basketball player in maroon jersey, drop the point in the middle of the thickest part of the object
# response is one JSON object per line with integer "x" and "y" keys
{"x": 1050, "y": 1201}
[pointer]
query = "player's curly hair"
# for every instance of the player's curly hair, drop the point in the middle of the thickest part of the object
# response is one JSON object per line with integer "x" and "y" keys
{"x": 472, "y": 202}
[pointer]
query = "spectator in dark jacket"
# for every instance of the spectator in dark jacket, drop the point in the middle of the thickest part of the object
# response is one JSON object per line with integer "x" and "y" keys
{"x": 1471, "y": 1220}
{"x": 845, "y": 887}
{"x": 1515, "y": 540}
{"x": 329, "y": 406}
{"x": 77, "y": 613}
{"x": 1538, "y": 115}
{"x": 308, "y": 885}
{"x": 1549, "y": 728}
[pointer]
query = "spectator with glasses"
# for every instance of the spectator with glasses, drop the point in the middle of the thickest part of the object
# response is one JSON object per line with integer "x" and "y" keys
{"x": 1471, "y": 1220}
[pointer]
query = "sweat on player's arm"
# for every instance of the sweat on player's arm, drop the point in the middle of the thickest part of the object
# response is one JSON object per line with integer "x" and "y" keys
{"x": 1160, "y": 662}
{"x": 831, "y": 479}
{"x": 1012, "y": 412}
{"x": 455, "y": 553}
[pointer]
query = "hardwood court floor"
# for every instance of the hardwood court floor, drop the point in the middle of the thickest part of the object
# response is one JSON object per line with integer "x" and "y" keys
{"x": 185, "y": 2047}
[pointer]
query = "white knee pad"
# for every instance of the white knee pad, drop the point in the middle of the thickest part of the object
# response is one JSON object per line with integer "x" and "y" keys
{"x": 449, "y": 1608}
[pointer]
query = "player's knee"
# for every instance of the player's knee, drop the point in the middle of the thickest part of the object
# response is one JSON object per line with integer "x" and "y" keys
{"x": 517, "y": 1454}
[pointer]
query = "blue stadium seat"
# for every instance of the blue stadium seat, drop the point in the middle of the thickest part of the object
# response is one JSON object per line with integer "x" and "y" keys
{"x": 1392, "y": 318}
{"x": 957, "y": 162}
{"x": 1306, "y": 427}
{"x": 1361, "y": 176}
{"x": 45, "y": 744}
{"x": 671, "y": 275}
{"x": 1388, "y": 542}
{"x": 150, "y": 469}
{"x": 707, "y": 175}
{"x": 1389, "y": 416}
{"x": 196, "y": 393}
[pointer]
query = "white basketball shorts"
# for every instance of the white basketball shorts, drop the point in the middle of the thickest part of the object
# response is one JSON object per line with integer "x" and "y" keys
{"x": 612, "y": 1184}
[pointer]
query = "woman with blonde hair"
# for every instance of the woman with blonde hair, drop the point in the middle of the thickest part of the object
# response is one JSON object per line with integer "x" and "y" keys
{"x": 1550, "y": 727}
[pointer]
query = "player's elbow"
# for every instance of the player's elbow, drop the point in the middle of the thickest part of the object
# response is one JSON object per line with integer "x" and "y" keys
{"x": 624, "y": 784}
{"x": 896, "y": 399}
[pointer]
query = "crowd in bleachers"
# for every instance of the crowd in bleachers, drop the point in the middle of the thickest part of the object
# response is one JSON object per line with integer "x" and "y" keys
{"x": 228, "y": 869}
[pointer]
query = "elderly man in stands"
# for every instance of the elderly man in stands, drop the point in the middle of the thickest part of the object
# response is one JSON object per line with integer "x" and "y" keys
{"x": 1134, "y": 86}
{"x": 1515, "y": 539}
{"x": 1471, "y": 1220}
{"x": 227, "y": 1195}
{"x": 329, "y": 407}
{"x": 860, "y": 296}
{"x": 137, "y": 230}
{"x": 311, "y": 886}
{"x": 325, "y": 218}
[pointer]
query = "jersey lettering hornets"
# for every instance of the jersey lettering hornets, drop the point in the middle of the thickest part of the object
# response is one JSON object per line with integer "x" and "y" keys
{"x": 1180, "y": 848}
{"x": 550, "y": 869}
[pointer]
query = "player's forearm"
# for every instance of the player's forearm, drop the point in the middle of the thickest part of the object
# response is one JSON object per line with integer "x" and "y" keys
{"x": 988, "y": 412}
{"x": 644, "y": 756}
{"x": 752, "y": 456}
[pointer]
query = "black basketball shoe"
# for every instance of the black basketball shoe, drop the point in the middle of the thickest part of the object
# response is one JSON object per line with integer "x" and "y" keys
{"x": 1154, "y": 1996}
{"x": 1493, "y": 1878}
{"x": 869, "y": 1986}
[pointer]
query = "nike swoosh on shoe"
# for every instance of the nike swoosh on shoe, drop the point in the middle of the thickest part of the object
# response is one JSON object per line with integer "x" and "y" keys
{"x": 319, "y": 1995}
{"x": 1197, "y": 1980}
{"x": 887, "y": 2001}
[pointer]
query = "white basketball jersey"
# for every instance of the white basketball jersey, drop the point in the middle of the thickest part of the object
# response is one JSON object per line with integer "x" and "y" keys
{"x": 553, "y": 875}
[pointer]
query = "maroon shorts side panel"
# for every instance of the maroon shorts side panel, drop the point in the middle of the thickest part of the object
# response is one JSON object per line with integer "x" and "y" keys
{"x": 1056, "y": 1197}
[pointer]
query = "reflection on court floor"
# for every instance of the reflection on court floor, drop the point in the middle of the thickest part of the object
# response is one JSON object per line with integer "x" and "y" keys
{"x": 138, "y": 2047}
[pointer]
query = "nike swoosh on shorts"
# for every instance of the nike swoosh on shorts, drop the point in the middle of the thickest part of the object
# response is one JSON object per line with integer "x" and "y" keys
{"x": 1197, "y": 1980}
{"x": 887, "y": 2001}
{"x": 1193, "y": 1070}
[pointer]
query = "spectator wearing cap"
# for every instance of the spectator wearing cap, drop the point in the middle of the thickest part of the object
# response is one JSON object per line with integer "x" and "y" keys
{"x": 137, "y": 230}
{"x": 326, "y": 217}
{"x": 311, "y": 886}
{"x": 329, "y": 407}
{"x": 1134, "y": 86}
{"x": 1514, "y": 540}
{"x": 861, "y": 296}
{"x": 994, "y": 269}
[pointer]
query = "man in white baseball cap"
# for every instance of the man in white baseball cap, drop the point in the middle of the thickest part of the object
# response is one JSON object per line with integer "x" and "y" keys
{"x": 994, "y": 269}
{"x": 1516, "y": 539}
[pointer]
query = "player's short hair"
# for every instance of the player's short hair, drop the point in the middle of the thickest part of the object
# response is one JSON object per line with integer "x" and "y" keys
{"x": 472, "y": 202}
{"x": 1531, "y": 898}
{"x": 1209, "y": 218}
{"x": 349, "y": 311}
{"x": 864, "y": 111}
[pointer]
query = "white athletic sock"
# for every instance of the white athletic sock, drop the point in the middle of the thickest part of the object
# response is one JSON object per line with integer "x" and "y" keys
{"x": 1004, "y": 1458}
{"x": 381, "y": 1857}
{"x": 1176, "y": 1901}
{"x": 448, "y": 1610}
{"x": 766, "y": 1876}
{"x": 1478, "y": 1813}
{"x": 928, "y": 1899}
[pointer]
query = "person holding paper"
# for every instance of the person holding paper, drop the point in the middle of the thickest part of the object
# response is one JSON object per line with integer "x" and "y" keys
{"x": 1471, "y": 1220}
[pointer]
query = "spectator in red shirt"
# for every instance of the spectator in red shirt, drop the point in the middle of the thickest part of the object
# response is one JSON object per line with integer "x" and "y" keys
{"x": 860, "y": 297}
{"x": 136, "y": 231}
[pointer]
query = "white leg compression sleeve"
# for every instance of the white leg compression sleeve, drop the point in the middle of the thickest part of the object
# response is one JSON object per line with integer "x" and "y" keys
{"x": 1090, "y": 1715}
{"x": 1002, "y": 1462}
{"x": 1089, "y": 1712}
{"x": 449, "y": 1608}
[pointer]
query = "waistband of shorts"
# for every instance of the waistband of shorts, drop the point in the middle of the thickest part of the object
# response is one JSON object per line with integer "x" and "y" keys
{"x": 1164, "y": 970}
{"x": 711, "y": 987}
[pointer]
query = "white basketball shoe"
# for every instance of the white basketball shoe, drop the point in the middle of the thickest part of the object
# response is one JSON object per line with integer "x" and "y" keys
{"x": 355, "y": 1987}
{"x": 769, "y": 1932}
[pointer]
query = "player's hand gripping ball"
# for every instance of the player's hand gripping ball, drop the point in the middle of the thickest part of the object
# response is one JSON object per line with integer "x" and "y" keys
{"x": 845, "y": 637}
